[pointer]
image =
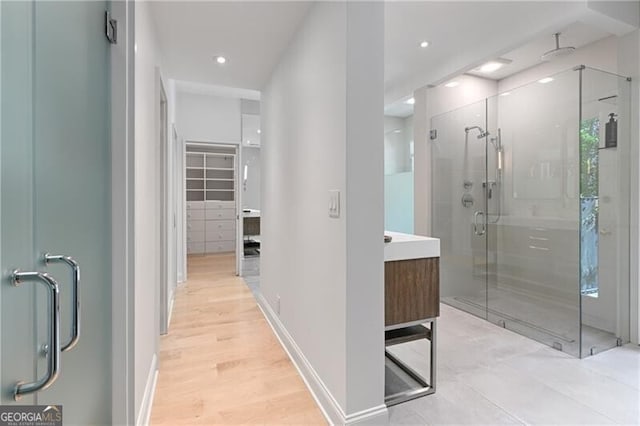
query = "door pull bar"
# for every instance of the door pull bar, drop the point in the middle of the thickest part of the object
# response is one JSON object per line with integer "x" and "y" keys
{"x": 75, "y": 315}
{"x": 53, "y": 341}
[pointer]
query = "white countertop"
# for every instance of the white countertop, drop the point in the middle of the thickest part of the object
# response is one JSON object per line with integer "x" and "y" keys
{"x": 250, "y": 213}
{"x": 405, "y": 246}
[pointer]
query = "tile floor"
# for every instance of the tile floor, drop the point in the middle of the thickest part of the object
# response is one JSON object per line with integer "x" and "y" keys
{"x": 250, "y": 266}
{"x": 490, "y": 375}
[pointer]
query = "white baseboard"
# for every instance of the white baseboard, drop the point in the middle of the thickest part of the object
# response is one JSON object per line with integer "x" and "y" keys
{"x": 144, "y": 415}
{"x": 332, "y": 411}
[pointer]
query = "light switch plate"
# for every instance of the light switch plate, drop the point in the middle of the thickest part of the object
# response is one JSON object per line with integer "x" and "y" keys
{"x": 334, "y": 203}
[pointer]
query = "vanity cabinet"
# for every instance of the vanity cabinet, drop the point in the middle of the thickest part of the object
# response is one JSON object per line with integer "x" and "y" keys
{"x": 411, "y": 306}
{"x": 411, "y": 290}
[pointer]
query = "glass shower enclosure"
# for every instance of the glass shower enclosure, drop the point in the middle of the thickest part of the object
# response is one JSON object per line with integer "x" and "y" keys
{"x": 531, "y": 204}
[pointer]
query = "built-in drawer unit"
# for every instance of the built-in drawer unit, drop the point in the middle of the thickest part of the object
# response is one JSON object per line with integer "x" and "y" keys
{"x": 210, "y": 182}
{"x": 195, "y": 215}
{"x": 195, "y": 205}
{"x": 220, "y": 214}
{"x": 195, "y": 248}
{"x": 221, "y": 225}
{"x": 214, "y": 205}
{"x": 195, "y": 237}
{"x": 195, "y": 225}
{"x": 219, "y": 235}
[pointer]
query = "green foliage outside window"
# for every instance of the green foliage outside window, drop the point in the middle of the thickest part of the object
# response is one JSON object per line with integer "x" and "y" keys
{"x": 589, "y": 143}
{"x": 589, "y": 156}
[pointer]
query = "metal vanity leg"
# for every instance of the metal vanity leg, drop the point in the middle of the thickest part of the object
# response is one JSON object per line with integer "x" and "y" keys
{"x": 433, "y": 350}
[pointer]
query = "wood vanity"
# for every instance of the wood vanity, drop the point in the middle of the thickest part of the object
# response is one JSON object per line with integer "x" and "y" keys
{"x": 412, "y": 290}
{"x": 412, "y": 303}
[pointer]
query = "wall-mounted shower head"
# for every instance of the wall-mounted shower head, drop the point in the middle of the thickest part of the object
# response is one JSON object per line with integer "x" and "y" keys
{"x": 482, "y": 134}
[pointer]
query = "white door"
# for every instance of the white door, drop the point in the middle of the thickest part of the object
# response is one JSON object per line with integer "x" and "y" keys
{"x": 55, "y": 168}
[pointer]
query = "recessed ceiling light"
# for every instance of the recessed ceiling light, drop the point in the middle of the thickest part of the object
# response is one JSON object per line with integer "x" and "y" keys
{"x": 545, "y": 80}
{"x": 410, "y": 101}
{"x": 491, "y": 67}
{"x": 494, "y": 65}
{"x": 424, "y": 44}
{"x": 258, "y": 131}
{"x": 452, "y": 84}
{"x": 505, "y": 94}
{"x": 221, "y": 60}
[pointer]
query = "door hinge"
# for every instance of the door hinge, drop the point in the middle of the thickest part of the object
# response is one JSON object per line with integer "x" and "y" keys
{"x": 433, "y": 134}
{"x": 111, "y": 28}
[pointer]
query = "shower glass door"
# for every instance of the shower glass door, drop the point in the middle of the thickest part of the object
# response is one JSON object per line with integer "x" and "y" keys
{"x": 459, "y": 169}
{"x": 534, "y": 211}
{"x": 533, "y": 214}
{"x": 605, "y": 210}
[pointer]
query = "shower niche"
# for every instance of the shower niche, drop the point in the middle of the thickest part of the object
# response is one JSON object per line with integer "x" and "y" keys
{"x": 544, "y": 248}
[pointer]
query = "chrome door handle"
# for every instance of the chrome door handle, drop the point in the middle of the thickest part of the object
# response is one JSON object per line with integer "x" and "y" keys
{"x": 476, "y": 215}
{"x": 53, "y": 353}
{"x": 75, "y": 315}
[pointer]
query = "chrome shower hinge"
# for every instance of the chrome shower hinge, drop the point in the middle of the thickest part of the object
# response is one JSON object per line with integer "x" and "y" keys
{"x": 433, "y": 134}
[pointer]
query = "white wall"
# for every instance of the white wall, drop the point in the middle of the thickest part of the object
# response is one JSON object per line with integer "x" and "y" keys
{"x": 123, "y": 234}
{"x": 629, "y": 64}
{"x": 147, "y": 205}
{"x": 208, "y": 118}
{"x": 323, "y": 277}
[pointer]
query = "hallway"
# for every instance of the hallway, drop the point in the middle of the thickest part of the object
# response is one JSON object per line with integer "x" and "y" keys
{"x": 220, "y": 362}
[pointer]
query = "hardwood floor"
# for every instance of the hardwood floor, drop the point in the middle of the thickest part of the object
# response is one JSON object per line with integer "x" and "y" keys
{"x": 220, "y": 362}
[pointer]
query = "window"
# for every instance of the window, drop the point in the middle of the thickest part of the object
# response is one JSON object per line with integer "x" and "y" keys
{"x": 589, "y": 157}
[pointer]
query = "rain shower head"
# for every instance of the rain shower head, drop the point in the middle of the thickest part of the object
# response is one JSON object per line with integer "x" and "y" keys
{"x": 558, "y": 51}
{"x": 482, "y": 134}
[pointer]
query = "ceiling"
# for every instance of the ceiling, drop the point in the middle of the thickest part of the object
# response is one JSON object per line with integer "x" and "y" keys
{"x": 465, "y": 34}
{"x": 528, "y": 55}
{"x": 577, "y": 35}
{"x": 251, "y": 35}
{"x": 462, "y": 36}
